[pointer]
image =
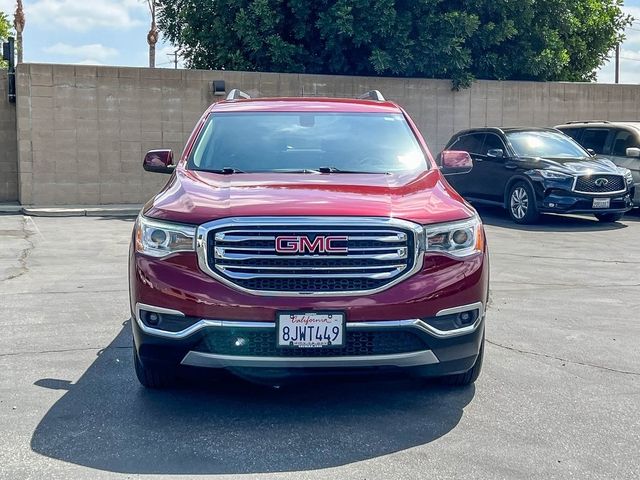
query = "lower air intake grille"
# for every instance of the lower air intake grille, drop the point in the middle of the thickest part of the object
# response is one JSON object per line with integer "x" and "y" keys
{"x": 263, "y": 344}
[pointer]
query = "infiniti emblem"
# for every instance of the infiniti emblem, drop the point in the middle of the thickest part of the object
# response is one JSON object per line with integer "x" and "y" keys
{"x": 601, "y": 182}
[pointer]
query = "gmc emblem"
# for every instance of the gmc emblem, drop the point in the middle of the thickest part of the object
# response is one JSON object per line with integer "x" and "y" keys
{"x": 302, "y": 244}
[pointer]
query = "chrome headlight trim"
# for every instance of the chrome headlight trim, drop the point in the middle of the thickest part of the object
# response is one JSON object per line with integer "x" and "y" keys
{"x": 472, "y": 226}
{"x": 178, "y": 237}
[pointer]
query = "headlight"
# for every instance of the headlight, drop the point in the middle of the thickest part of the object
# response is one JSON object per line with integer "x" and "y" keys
{"x": 159, "y": 239}
{"x": 552, "y": 175}
{"x": 459, "y": 239}
{"x": 627, "y": 175}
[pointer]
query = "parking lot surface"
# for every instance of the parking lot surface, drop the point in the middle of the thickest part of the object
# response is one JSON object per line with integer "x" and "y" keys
{"x": 559, "y": 396}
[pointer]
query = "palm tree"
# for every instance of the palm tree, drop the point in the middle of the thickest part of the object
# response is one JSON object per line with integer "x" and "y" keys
{"x": 152, "y": 36}
{"x": 18, "y": 23}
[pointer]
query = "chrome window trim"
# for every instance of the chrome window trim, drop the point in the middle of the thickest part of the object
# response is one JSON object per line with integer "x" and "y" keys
{"x": 327, "y": 222}
{"x": 411, "y": 323}
{"x": 214, "y": 360}
{"x": 575, "y": 181}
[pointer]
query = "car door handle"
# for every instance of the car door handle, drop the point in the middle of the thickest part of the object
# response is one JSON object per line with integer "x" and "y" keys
{"x": 510, "y": 166}
{"x": 477, "y": 159}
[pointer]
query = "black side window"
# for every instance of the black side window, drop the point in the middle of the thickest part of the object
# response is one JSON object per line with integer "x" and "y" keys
{"x": 623, "y": 140}
{"x": 471, "y": 143}
{"x": 491, "y": 142}
{"x": 595, "y": 139}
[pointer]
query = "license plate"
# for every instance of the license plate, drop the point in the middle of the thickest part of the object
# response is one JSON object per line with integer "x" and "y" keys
{"x": 310, "y": 329}
{"x": 601, "y": 202}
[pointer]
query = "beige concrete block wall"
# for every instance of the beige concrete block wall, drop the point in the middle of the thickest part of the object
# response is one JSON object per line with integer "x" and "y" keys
{"x": 83, "y": 130}
{"x": 8, "y": 145}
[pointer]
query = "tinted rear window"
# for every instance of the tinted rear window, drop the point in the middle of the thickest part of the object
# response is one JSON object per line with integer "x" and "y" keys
{"x": 283, "y": 141}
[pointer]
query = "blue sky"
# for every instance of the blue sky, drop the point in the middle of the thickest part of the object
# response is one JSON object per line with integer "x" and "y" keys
{"x": 107, "y": 32}
{"x": 113, "y": 32}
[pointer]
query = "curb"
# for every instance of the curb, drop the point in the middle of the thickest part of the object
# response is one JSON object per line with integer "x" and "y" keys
{"x": 73, "y": 211}
{"x": 10, "y": 208}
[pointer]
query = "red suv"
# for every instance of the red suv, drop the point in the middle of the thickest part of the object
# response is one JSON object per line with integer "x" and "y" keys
{"x": 306, "y": 235}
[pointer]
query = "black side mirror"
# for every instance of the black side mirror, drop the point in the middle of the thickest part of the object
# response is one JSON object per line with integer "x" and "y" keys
{"x": 591, "y": 152}
{"x": 159, "y": 161}
{"x": 496, "y": 153}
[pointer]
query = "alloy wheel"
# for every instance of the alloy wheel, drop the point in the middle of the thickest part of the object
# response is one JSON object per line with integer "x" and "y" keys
{"x": 519, "y": 202}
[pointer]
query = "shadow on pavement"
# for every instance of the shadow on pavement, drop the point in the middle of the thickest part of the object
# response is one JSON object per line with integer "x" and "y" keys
{"x": 107, "y": 421}
{"x": 497, "y": 216}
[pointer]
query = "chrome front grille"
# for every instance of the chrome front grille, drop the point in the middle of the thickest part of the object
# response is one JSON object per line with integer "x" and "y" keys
{"x": 367, "y": 255}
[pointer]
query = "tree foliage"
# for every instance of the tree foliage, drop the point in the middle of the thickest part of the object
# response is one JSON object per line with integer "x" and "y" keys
{"x": 5, "y": 32}
{"x": 457, "y": 39}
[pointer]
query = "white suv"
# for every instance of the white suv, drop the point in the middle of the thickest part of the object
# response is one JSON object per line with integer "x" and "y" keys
{"x": 618, "y": 141}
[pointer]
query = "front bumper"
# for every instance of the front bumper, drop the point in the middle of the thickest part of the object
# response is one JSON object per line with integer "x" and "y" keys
{"x": 563, "y": 201}
{"x": 430, "y": 350}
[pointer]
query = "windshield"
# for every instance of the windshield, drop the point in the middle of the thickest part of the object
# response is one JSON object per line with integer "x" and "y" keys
{"x": 294, "y": 142}
{"x": 545, "y": 144}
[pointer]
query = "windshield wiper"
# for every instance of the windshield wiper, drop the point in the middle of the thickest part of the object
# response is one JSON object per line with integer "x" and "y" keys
{"x": 338, "y": 170}
{"x": 225, "y": 171}
{"x": 290, "y": 170}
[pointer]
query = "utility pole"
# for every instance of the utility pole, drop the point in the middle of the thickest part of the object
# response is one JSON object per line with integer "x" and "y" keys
{"x": 618, "y": 63}
{"x": 18, "y": 23}
{"x": 175, "y": 59}
{"x": 152, "y": 36}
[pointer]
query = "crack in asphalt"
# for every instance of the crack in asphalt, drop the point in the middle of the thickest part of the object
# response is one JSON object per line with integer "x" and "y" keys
{"x": 64, "y": 350}
{"x": 64, "y": 292}
{"x": 568, "y": 286}
{"x": 628, "y": 262}
{"x": 24, "y": 254}
{"x": 553, "y": 357}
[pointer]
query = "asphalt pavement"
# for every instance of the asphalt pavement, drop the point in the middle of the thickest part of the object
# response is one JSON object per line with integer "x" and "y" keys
{"x": 559, "y": 396}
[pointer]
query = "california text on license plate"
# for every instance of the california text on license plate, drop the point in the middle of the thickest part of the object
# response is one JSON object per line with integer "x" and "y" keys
{"x": 601, "y": 202}
{"x": 310, "y": 329}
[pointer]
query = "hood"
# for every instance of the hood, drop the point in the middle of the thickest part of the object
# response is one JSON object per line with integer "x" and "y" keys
{"x": 198, "y": 197}
{"x": 574, "y": 166}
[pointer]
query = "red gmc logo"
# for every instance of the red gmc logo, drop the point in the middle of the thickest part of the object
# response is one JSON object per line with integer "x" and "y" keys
{"x": 302, "y": 244}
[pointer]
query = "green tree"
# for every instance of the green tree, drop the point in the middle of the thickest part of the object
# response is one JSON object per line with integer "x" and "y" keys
{"x": 457, "y": 39}
{"x": 5, "y": 32}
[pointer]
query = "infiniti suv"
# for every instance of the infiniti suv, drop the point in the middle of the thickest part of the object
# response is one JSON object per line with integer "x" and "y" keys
{"x": 534, "y": 170}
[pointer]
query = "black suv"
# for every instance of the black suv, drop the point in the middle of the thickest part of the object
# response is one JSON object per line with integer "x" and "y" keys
{"x": 617, "y": 141}
{"x": 533, "y": 170}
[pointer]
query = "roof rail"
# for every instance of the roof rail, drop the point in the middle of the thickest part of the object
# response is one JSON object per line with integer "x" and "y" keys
{"x": 586, "y": 121}
{"x": 237, "y": 94}
{"x": 372, "y": 95}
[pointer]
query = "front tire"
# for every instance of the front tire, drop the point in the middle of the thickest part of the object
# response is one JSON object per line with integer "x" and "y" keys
{"x": 609, "y": 217}
{"x": 151, "y": 376}
{"x": 468, "y": 377}
{"x": 521, "y": 204}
